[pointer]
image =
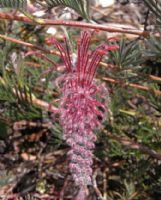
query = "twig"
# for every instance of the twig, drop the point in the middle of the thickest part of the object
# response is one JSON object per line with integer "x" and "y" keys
{"x": 148, "y": 76}
{"x": 134, "y": 145}
{"x": 61, "y": 197}
{"x": 46, "y": 22}
{"x": 95, "y": 185}
{"x": 155, "y": 78}
{"x": 151, "y": 77}
{"x": 43, "y": 104}
{"x": 28, "y": 45}
{"x": 57, "y": 53}
{"x": 20, "y": 125}
{"x": 133, "y": 85}
{"x": 105, "y": 179}
{"x": 133, "y": 195}
{"x": 37, "y": 102}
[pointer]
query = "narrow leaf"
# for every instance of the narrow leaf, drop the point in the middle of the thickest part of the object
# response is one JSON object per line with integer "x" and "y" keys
{"x": 16, "y": 4}
{"x": 80, "y": 6}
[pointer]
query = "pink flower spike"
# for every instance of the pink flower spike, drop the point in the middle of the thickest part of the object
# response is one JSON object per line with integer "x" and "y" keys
{"x": 83, "y": 106}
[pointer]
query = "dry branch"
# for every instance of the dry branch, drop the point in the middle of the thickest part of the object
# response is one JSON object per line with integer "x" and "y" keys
{"x": 99, "y": 27}
{"x": 28, "y": 45}
{"x": 133, "y": 85}
{"x": 37, "y": 102}
{"x": 134, "y": 145}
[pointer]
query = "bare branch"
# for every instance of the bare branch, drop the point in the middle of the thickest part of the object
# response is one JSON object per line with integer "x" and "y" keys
{"x": 137, "y": 86}
{"x": 28, "y": 45}
{"x": 99, "y": 27}
{"x": 129, "y": 144}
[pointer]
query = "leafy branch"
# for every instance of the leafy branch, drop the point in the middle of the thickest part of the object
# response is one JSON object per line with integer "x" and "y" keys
{"x": 127, "y": 143}
{"x": 155, "y": 7}
{"x": 80, "y": 6}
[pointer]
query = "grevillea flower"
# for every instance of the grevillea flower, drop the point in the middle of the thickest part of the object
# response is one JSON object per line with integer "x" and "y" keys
{"x": 83, "y": 105}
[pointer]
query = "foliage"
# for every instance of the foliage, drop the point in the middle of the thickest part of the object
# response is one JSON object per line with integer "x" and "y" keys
{"x": 15, "y": 89}
{"x": 128, "y": 54}
{"x": 153, "y": 45}
{"x": 155, "y": 7}
{"x": 18, "y": 4}
{"x": 134, "y": 117}
{"x": 80, "y": 6}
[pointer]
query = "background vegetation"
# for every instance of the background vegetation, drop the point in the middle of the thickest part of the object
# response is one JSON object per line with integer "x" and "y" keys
{"x": 127, "y": 162}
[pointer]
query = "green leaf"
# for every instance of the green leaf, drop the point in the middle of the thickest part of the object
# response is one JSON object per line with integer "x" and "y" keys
{"x": 128, "y": 54}
{"x": 21, "y": 5}
{"x": 3, "y": 129}
{"x": 80, "y": 6}
{"x": 153, "y": 47}
{"x": 17, "y": 4}
{"x": 155, "y": 7}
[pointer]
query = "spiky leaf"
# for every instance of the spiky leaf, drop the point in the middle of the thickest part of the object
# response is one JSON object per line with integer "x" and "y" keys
{"x": 155, "y": 7}
{"x": 17, "y": 4}
{"x": 127, "y": 55}
{"x": 153, "y": 47}
{"x": 80, "y": 6}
